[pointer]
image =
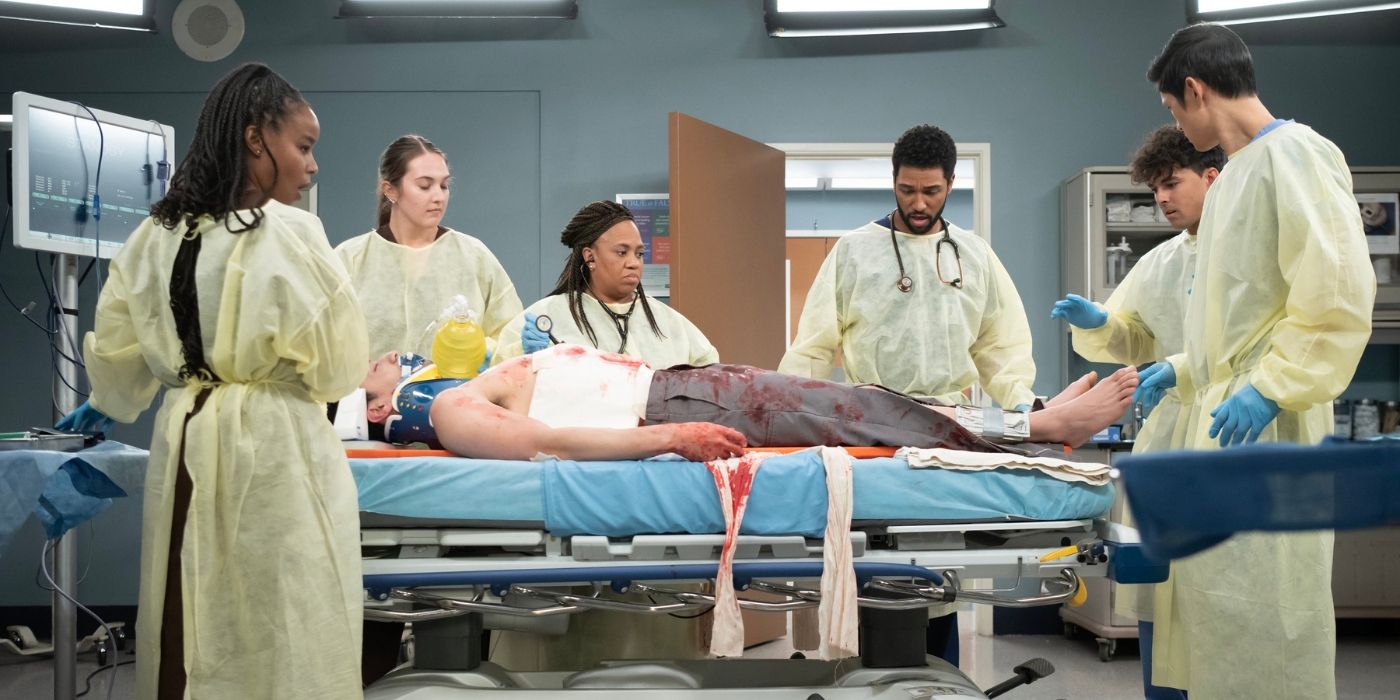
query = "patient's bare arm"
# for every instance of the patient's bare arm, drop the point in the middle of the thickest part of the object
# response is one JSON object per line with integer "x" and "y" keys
{"x": 470, "y": 425}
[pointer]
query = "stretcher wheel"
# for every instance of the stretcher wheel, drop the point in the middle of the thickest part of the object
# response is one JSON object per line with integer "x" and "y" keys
{"x": 102, "y": 653}
{"x": 1107, "y": 648}
{"x": 1071, "y": 630}
{"x": 119, "y": 637}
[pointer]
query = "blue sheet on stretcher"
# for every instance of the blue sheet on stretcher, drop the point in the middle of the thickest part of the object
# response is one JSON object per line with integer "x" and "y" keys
{"x": 1184, "y": 502}
{"x": 660, "y": 496}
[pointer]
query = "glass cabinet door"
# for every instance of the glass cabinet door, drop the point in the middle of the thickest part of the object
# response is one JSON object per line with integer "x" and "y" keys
{"x": 1125, "y": 223}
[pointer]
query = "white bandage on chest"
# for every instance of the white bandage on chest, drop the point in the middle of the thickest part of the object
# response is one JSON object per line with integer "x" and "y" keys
{"x": 995, "y": 424}
{"x": 576, "y": 387}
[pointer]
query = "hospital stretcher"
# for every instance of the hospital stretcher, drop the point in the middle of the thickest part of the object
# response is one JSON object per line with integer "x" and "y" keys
{"x": 603, "y": 529}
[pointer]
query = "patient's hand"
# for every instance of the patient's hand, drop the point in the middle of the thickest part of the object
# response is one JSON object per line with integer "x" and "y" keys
{"x": 702, "y": 442}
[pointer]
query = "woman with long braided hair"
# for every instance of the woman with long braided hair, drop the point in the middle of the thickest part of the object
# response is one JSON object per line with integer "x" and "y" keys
{"x": 599, "y": 296}
{"x": 235, "y": 303}
{"x": 410, "y": 266}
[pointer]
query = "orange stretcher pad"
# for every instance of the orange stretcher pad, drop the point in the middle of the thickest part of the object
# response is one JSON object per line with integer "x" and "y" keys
{"x": 381, "y": 453}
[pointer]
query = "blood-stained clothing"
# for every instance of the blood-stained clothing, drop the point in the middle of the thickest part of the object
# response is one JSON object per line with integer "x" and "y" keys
{"x": 774, "y": 409}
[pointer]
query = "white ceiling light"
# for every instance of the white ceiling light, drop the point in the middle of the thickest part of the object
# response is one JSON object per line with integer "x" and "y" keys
{"x": 461, "y": 9}
{"x": 879, "y": 5}
{"x": 102, "y": 14}
{"x": 121, "y": 7}
{"x": 1228, "y": 5}
{"x": 1249, "y": 11}
{"x": 808, "y": 18}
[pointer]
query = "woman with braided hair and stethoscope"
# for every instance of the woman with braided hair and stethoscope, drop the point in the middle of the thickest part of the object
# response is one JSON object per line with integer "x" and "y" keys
{"x": 599, "y": 301}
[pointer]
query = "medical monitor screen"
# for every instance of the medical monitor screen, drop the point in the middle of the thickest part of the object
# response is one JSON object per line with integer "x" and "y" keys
{"x": 57, "y": 149}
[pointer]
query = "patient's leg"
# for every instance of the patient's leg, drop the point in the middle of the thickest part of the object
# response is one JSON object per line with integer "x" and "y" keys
{"x": 1082, "y": 409}
{"x": 1075, "y": 389}
{"x": 1074, "y": 421}
{"x": 773, "y": 409}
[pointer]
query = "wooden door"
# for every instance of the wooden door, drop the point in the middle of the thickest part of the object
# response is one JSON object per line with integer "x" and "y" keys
{"x": 728, "y": 239}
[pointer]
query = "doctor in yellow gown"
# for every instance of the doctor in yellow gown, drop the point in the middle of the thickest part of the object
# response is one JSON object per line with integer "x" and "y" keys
{"x": 247, "y": 485}
{"x": 410, "y": 266}
{"x": 1277, "y": 321}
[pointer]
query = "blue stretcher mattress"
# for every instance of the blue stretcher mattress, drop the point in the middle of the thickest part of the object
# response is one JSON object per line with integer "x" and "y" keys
{"x": 666, "y": 496}
{"x": 1186, "y": 501}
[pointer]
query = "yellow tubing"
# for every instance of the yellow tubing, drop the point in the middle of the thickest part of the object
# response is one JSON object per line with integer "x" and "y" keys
{"x": 1081, "y": 594}
{"x": 1060, "y": 553}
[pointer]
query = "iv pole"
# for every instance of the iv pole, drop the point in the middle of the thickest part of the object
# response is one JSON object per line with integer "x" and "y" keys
{"x": 65, "y": 550}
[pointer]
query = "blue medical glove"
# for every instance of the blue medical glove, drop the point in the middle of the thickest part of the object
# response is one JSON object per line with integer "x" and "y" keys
{"x": 1079, "y": 312}
{"x": 532, "y": 338}
{"x": 1022, "y": 408}
{"x": 1153, "y": 383}
{"x": 85, "y": 419}
{"x": 1240, "y": 418}
{"x": 485, "y": 363}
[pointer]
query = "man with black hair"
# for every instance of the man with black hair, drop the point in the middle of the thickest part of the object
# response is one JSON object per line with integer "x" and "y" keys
{"x": 918, "y": 305}
{"x": 915, "y": 303}
{"x": 1142, "y": 320}
{"x": 1279, "y": 314}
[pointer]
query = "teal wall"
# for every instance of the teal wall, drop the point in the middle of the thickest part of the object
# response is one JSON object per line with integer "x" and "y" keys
{"x": 541, "y": 118}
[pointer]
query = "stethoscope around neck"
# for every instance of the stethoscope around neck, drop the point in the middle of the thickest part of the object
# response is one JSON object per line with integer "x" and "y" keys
{"x": 545, "y": 324}
{"x": 906, "y": 283}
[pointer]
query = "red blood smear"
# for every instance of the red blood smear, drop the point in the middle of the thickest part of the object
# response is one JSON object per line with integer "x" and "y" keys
{"x": 620, "y": 359}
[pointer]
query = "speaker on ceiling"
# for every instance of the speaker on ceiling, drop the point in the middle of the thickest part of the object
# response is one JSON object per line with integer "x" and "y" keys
{"x": 207, "y": 30}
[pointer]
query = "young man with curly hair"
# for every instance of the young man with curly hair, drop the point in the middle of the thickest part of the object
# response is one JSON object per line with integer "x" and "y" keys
{"x": 1142, "y": 320}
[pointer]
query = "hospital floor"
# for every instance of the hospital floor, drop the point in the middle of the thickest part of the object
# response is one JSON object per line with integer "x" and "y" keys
{"x": 1368, "y": 666}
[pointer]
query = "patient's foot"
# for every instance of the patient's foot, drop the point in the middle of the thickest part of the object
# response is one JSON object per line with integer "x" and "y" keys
{"x": 1075, "y": 389}
{"x": 1076, "y": 420}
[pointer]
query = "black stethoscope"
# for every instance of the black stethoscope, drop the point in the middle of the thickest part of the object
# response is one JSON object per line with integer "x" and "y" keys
{"x": 621, "y": 321}
{"x": 906, "y": 283}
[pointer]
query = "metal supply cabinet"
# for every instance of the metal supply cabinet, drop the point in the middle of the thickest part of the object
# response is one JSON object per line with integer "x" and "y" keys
{"x": 1086, "y": 232}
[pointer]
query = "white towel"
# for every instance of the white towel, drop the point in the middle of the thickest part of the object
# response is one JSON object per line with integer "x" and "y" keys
{"x": 734, "y": 480}
{"x": 837, "y": 619}
{"x": 1064, "y": 470}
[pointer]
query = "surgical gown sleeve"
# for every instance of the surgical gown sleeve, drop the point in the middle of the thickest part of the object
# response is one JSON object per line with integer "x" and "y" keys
{"x": 329, "y": 349}
{"x": 1126, "y": 338}
{"x": 813, "y": 351}
{"x": 1314, "y": 349}
{"x": 1185, "y": 383}
{"x": 122, "y": 384}
{"x": 502, "y": 302}
{"x": 1002, "y": 349}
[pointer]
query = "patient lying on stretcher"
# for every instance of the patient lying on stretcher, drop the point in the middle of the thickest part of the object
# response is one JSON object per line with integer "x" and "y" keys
{"x": 578, "y": 403}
